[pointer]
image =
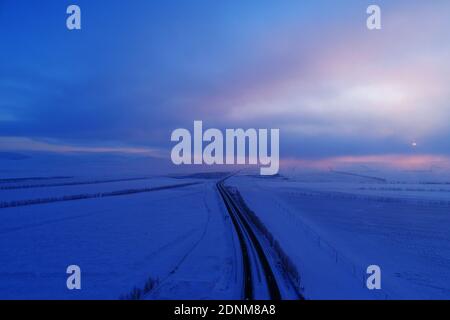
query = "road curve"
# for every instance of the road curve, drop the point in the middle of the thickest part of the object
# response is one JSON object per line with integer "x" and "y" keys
{"x": 259, "y": 282}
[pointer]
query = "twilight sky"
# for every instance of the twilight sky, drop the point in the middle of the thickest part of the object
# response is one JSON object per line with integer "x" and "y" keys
{"x": 139, "y": 69}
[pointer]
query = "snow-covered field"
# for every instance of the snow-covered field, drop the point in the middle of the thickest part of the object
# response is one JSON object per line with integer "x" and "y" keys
{"x": 334, "y": 225}
{"x": 69, "y": 187}
{"x": 179, "y": 237}
{"x": 181, "y": 243}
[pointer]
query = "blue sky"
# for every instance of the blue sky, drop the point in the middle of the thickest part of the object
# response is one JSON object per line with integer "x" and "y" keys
{"x": 139, "y": 69}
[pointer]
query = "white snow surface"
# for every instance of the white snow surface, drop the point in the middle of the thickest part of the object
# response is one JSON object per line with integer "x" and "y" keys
{"x": 179, "y": 237}
{"x": 334, "y": 226}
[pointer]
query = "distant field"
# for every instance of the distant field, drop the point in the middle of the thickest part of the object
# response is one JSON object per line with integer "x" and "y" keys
{"x": 33, "y": 190}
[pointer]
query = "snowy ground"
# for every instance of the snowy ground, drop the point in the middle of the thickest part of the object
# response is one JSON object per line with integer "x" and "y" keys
{"x": 179, "y": 237}
{"x": 335, "y": 225}
{"x": 332, "y": 225}
{"x": 69, "y": 187}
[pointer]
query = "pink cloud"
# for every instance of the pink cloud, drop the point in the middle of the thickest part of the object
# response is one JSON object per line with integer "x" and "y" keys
{"x": 393, "y": 161}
